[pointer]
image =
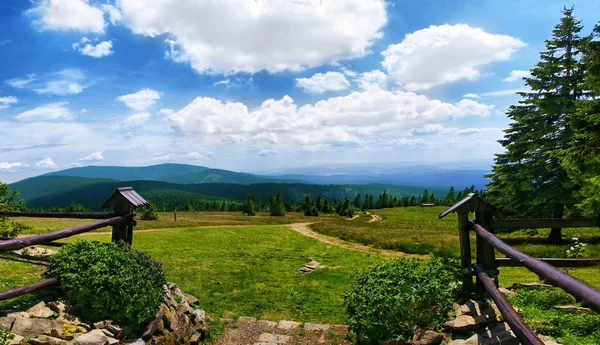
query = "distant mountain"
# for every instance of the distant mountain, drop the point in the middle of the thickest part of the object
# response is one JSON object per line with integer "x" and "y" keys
{"x": 226, "y": 176}
{"x": 36, "y": 187}
{"x": 173, "y": 194}
{"x": 160, "y": 172}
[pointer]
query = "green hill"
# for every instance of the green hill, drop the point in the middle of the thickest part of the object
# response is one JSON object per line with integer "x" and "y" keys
{"x": 176, "y": 195}
{"x": 40, "y": 186}
{"x": 160, "y": 172}
{"x": 225, "y": 176}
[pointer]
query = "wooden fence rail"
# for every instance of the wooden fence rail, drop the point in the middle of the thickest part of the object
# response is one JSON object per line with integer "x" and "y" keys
{"x": 80, "y": 215}
{"x": 588, "y": 296}
{"x": 18, "y": 243}
{"x": 23, "y": 290}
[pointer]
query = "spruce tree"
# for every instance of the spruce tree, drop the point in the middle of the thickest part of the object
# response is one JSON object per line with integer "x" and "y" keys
{"x": 248, "y": 207}
{"x": 450, "y": 197}
{"x": 278, "y": 208}
{"x": 528, "y": 179}
{"x": 582, "y": 159}
{"x": 149, "y": 213}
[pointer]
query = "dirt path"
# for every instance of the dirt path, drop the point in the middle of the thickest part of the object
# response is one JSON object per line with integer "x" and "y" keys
{"x": 374, "y": 217}
{"x": 353, "y": 218}
{"x": 303, "y": 229}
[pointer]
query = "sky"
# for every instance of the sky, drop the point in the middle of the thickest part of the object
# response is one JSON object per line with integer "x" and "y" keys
{"x": 261, "y": 85}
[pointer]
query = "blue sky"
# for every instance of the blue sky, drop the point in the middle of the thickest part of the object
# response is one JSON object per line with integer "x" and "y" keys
{"x": 259, "y": 85}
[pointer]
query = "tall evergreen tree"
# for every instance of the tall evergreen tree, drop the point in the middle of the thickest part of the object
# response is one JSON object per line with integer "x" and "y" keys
{"x": 278, "y": 208}
{"x": 450, "y": 197}
{"x": 582, "y": 159}
{"x": 248, "y": 207}
{"x": 528, "y": 179}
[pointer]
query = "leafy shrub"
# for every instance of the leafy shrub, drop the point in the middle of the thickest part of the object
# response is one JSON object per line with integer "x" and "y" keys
{"x": 109, "y": 281}
{"x": 388, "y": 300}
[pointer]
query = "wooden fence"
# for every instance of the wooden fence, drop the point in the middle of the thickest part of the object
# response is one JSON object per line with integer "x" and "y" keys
{"x": 486, "y": 266}
{"x": 124, "y": 201}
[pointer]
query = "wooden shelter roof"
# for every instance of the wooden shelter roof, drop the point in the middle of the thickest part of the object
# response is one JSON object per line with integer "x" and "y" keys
{"x": 472, "y": 203}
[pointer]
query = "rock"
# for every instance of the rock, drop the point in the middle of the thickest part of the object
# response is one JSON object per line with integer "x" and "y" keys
{"x": 85, "y": 326}
{"x": 429, "y": 338}
{"x": 57, "y": 306}
{"x": 99, "y": 325}
{"x": 186, "y": 327}
{"x": 108, "y": 333}
{"x": 340, "y": 329}
{"x": 195, "y": 338}
{"x": 30, "y": 327}
{"x": 244, "y": 319}
{"x": 184, "y": 308}
{"x": 116, "y": 331}
{"x": 6, "y": 323}
{"x": 191, "y": 299}
{"x": 156, "y": 327}
{"x": 46, "y": 340}
{"x": 40, "y": 310}
{"x": 72, "y": 319}
{"x": 548, "y": 340}
{"x": 16, "y": 340}
{"x": 18, "y": 314}
{"x": 472, "y": 340}
{"x": 112, "y": 341}
{"x": 199, "y": 317}
{"x": 95, "y": 337}
{"x": 273, "y": 338}
{"x": 139, "y": 341}
{"x": 315, "y": 327}
{"x": 57, "y": 333}
{"x": 570, "y": 308}
{"x": 266, "y": 324}
{"x": 468, "y": 322}
{"x": 473, "y": 308}
{"x": 289, "y": 325}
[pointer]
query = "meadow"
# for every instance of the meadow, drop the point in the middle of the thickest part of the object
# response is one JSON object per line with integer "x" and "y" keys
{"x": 239, "y": 265}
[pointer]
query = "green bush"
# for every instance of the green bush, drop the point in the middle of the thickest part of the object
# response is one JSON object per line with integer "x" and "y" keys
{"x": 387, "y": 301}
{"x": 109, "y": 281}
{"x": 149, "y": 213}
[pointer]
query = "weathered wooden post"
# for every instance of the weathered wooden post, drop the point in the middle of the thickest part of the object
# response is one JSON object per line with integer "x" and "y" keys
{"x": 124, "y": 200}
{"x": 465, "y": 253}
{"x": 486, "y": 255}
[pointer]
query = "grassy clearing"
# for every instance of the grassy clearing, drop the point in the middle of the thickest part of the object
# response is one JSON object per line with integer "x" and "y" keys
{"x": 167, "y": 221}
{"x": 252, "y": 270}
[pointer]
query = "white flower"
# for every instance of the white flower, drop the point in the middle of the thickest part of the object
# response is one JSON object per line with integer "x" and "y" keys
{"x": 572, "y": 248}
{"x": 575, "y": 239}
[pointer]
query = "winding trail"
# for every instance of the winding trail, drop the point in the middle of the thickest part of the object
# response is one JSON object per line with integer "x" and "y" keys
{"x": 302, "y": 228}
{"x": 374, "y": 217}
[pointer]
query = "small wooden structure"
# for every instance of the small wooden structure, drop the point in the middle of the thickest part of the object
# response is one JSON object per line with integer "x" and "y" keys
{"x": 124, "y": 201}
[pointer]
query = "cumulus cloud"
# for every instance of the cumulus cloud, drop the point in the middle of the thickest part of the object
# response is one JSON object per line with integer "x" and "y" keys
{"x": 136, "y": 119}
{"x": 372, "y": 79}
{"x": 51, "y": 111}
{"x": 357, "y": 118}
{"x": 230, "y": 83}
{"x": 428, "y": 129}
{"x": 5, "y": 102}
{"x": 249, "y": 36}
{"x": 194, "y": 155}
{"x": 99, "y": 50}
{"x": 61, "y": 83}
{"x": 471, "y": 95}
{"x": 320, "y": 83}
{"x": 444, "y": 54}
{"x": 10, "y": 166}
{"x": 94, "y": 157}
{"x": 45, "y": 163}
{"x": 67, "y": 15}
{"x": 517, "y": 75}
{"x": 263, "y": 153}
{"x": 114, "y": 14}
{"x": 140, "y": 100}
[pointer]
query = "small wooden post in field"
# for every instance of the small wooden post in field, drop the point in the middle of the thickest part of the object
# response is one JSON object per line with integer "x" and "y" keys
{"x": 175, "y": 215}
{"x": 124, "y": 200}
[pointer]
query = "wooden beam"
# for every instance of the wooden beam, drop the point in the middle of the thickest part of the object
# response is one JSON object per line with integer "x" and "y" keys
{"x": 556, "y": 262}
{"x": 79, "y": 215}
{"x": 51, "y": 244}
{"x": 514, "y": 320}
{"x": 16, "y": 292}
{"x": 589, "y": 296}
{"x": 18, "y": 243}
{"x": 544, "y": 223}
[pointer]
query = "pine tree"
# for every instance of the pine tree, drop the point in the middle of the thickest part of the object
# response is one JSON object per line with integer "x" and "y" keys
{"x": 357, "y": 201}
{"x": 248, "y": 207}
{"x": 528, "y": 180}
{"x": 582, "y": 159}
{"x": 277, "y": 208}
{"x": 450, "y": 197}
{"x": 9, "y": 201}
{"x": 149, "y": 213}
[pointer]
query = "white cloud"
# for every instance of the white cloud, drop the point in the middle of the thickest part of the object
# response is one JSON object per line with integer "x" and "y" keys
{"x": 140, "y": 100}
{"x": 373, "y": 79}
{"x": 508, "y": 92}
{"x": 264, "y": 153}
{"x": 249, "y": 36}
{"x": 62, "y": 83}
{"x": 113, "y": 13}
{"x": 51, "y": 111}
{"x": 83, "y": 111}
{"x": 358, "y": 118}
{"x": 517, "y": 75}
{"x": 319, "y": 83}
{"x": 46, "y": 163}
{"x": 194, "y": 155}
{"x": 5, "y": 102}
{"x": 164, "y": 158}
{"x": 230, "y": 83}
{"x": 67, "y": 15}
{"x": 94, "y": 157}
{"x": 428, "y": 129}
{"x": 10, "y": 166}
{"x": 97, "y": 51}
{"x": 444, "y": 54}
{"x": 136, "y": 120}
{"x": 471, "y": 95}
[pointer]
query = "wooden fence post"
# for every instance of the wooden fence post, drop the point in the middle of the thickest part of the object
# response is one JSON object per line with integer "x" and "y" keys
{"x": 124, "y": 200}
{"x": 465, "y": 253}
{"x": 120, "y": 231}
{"x": 486, "y": 254}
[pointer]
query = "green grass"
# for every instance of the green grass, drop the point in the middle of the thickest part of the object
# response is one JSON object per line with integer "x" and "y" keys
{"x": 252, "y": 270}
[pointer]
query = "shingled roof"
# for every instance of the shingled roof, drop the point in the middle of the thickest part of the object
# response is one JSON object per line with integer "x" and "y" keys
{"x": 472, "y": 203}
{"x": 124, "y": 195}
